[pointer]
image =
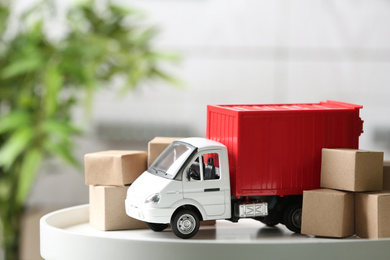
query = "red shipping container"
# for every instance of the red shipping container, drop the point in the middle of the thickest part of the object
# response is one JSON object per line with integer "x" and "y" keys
{"x": 276, "y": 149}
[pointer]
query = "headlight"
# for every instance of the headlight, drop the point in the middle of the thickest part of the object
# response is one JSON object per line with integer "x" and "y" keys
{"x": 154, "y": 198}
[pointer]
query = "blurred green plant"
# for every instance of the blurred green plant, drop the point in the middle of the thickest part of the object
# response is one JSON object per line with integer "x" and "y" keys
{"x": 42, "y": 79}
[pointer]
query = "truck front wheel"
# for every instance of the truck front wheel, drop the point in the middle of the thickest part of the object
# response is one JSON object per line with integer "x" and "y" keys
{"x": 185, "y": 224}
{"x": 292, "y": 217}
{"x": 156, "y": 227}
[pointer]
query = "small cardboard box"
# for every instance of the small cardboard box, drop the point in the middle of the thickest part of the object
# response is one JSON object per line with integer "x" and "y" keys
{"x": 386, "y": 175}
{"x": 372, "y": 214}
{"x": 157, "y": 145}
{"x": 352, "y": 170}
{"x": 328, "y": 213}
{"x": 107, "y": 209}
{"x": 116, "y": 168}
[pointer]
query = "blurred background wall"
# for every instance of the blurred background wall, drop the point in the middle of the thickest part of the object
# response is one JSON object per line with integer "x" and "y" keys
{"x": 237, "y": 51}
{"x": 240, "y": 51}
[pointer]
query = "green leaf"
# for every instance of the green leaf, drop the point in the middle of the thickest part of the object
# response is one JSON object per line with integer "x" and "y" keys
{"x": 61, "y": 128}
{"x": 166, "y": 77}
{"x": 144, "y": 37}
{"x": 19, "y": 67}
{"x": 166, "y": 55}
{"x": 62, "y": 151}
{"x": 28, "y": 171}
{"x": 14, "y": 146}
{"x": 4, "y": 13}
{"x": 5, "y": 190}
{"x": 14, "y": 120}
{"x": 53, "y": 81}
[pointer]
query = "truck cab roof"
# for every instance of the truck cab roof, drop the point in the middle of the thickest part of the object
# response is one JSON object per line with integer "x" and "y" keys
{"x": 202, "y": 143}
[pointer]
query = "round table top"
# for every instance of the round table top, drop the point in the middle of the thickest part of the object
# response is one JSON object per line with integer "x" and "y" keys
{"x": 66, "y": 234}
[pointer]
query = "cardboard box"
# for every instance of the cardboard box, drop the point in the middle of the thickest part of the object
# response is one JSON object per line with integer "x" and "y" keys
{"x": 157, "y": 145}
{"x": 386, "y": 175}
{"x": 107, "y": 209}
{"x": 116, "y": 168}
{"x": 372, "y": 214}
{"x": 328, "y": 213}
{"x": 352, "y": 170}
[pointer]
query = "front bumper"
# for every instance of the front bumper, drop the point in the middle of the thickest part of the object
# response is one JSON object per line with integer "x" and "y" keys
{"x": 147, "y": 213}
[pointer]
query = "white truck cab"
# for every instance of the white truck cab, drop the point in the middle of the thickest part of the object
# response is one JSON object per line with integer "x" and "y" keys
{"x": 187, "y": 183}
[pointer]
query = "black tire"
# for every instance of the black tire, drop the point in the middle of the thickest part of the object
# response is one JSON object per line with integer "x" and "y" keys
{"x": 156, "y": 226}
{"x": 292, "y": 217}
{"x": 269, "y": 223}
{"x": 185, "y": 224}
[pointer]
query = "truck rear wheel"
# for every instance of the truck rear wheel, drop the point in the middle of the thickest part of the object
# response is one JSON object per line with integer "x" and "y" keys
{"x": 156, "y": 226}
{"x": 269, "y": 223}
{"x": 185, "y": 224}
{"x": 292, "y": 217}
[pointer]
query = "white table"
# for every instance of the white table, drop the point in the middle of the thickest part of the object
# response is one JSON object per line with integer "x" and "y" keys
{"x": 66, "y": 234}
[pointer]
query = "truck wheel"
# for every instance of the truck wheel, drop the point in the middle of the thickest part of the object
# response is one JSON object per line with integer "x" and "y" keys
{"x": 269, "y": 223}
{"x": 292, "y": 218}
{"x": 185, "y": 224}
{"x": 156, "y": 226}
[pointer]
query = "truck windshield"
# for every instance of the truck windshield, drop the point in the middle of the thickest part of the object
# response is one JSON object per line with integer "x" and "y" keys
{"x": 170, "y": 161}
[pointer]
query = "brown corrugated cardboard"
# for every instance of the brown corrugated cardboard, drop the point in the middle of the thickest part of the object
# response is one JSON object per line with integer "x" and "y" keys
{"x": 386, "y": 175}
{"x": 157, "y": 145}
{"x": 328, "y": 213}
{"x": 117, "y": 168}
{"x": 372, "y": 213}
{"x": 352, "y": 170}
{"x": 107, "y": 209}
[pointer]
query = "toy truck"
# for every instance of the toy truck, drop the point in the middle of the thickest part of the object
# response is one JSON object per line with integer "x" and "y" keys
{"x": 255, "y": 162}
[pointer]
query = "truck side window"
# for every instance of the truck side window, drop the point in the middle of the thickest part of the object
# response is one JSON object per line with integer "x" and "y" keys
{"x": 211, "y": 171}
{"x": 194, "y": 171}
{"x": 205, "y": 167}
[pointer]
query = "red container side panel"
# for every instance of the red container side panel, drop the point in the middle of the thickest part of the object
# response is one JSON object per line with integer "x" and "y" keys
{"x": 277, "y": 150}
{"x": 224, "y": 130}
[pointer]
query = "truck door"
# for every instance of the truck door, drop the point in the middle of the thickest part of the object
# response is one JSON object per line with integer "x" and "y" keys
{"x": 203, "y": 182}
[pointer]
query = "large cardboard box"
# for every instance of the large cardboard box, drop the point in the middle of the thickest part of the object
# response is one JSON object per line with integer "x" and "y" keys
{"x": 386, "y": 175}
{"x": 372, "y": 214}
{"x": 328, "y": 213}
{"x": 116, "y": 168}
{"x": 157, "y": 145}
{"x": 107, "y": 209}
{"x": 352, "y": 170}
